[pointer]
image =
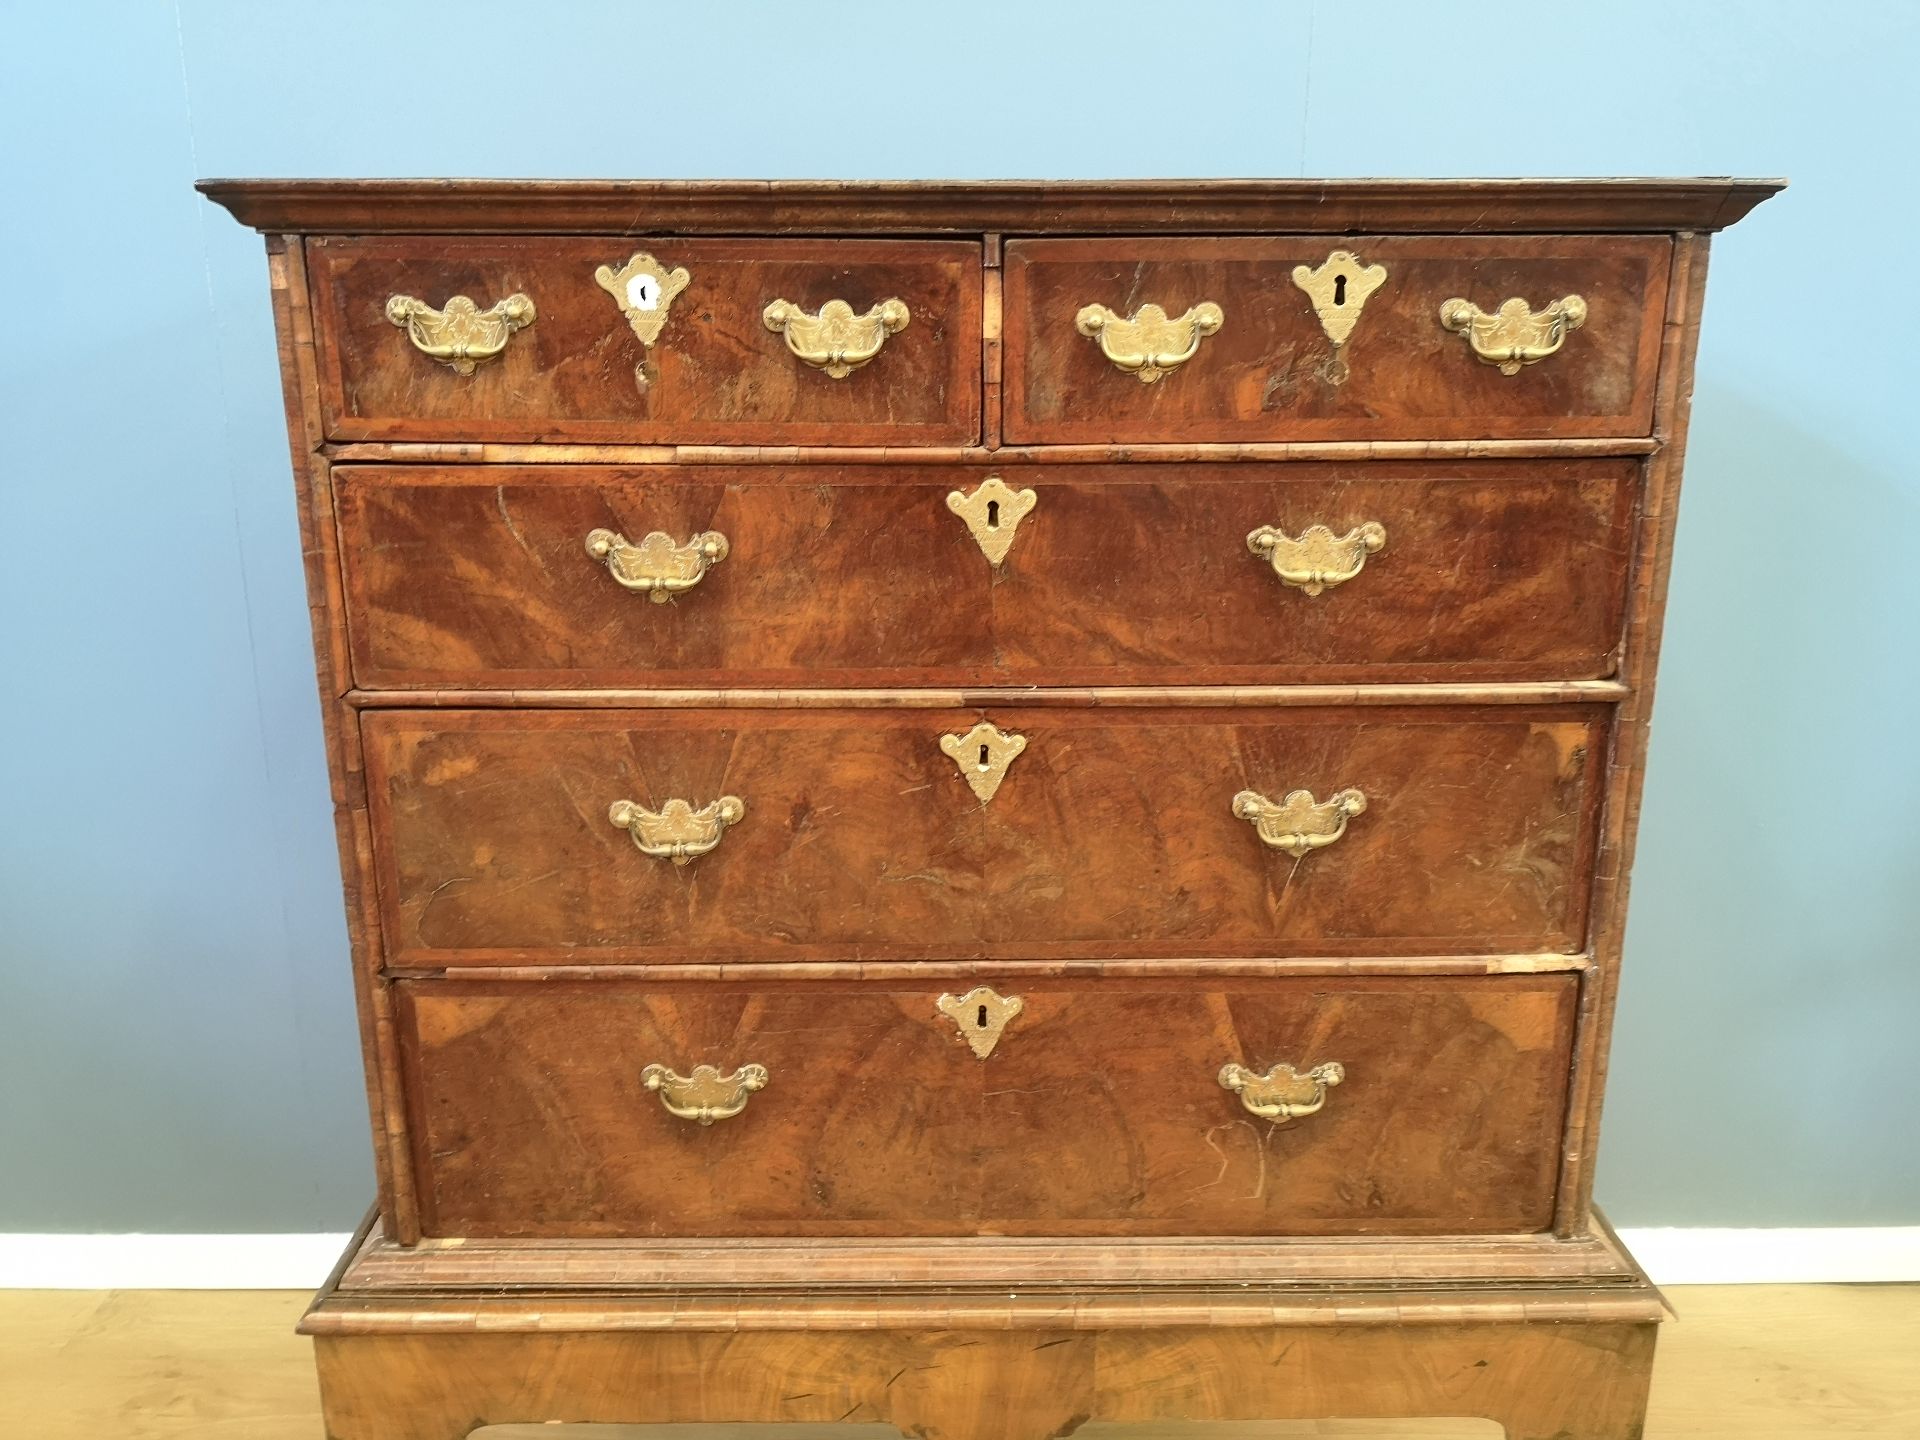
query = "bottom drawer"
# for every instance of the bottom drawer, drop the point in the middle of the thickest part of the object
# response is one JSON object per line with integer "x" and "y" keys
{"x": 1101, "y": 1109}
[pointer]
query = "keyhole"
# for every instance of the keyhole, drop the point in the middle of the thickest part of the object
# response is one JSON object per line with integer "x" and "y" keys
{"x": 984, "y": 764}
{"x": 983, "y": 1017}
{"x": 1339, "y": 289}
{"x": 993, "y": 514}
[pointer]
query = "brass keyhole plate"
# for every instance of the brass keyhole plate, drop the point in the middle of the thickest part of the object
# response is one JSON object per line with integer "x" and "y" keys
{"x": 981, "y": 1016}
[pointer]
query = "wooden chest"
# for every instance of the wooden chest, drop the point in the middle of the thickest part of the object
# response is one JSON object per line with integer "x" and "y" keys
{"x": 1028, "y": 786}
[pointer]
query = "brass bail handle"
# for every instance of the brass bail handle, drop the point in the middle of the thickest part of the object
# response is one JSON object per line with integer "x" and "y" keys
{"x": 1515, "y": 335}
{"x": 1299, "y": 824}
{"x": 1283, "y": 1093}
{"x": 1317, "y": 559}
{"x": 460, "y": 336}
{"x": 834, "y": 339}
{"x": 659, "y": 567}
{"x": 1148, "y": 344}
{"x": 677, "y": 831}
{"x": 706, "y": 1095}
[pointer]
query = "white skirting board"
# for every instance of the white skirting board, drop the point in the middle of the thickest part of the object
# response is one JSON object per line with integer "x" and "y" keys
{"x": 301, "y": 1262}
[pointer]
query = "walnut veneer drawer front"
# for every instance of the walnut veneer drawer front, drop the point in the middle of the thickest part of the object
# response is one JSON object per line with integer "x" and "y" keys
{"x": 1302, "y": 339}
{"x": 520, "y": 577}
{"x": 1422, "y": 1106}
{"x": 826, "y": 342}
{"x": 660, "y": 835}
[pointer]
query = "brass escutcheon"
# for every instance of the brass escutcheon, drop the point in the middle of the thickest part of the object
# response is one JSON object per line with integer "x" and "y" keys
{"x": 983, "y": 755}
{"x": 1339, "y": 287}
{"x": 1147, "y": 343}
{"x": 677, "y": 831}
{"x": 981, "y": 1016}
{"x": 836, "y": 340}
{"x": 992, "y": 513}
{"x": 1283, "y": 1093}
{"x": 1515, "y": 335}
{"x": 706, "y": 1095}
{"x": 1317, "y": 558}
{"x": 659, "y": 565}
{"x": 644, "y": 289}
{"x": 462, "y": 335}
{"x": 1299, "y": 824}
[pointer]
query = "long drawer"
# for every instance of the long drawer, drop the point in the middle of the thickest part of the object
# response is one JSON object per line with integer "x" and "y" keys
{"x": 1314, "y": 338}
{"x": 622, "y": 338}
{"x": 604, "y": 836}
{"x": 1109, "y": 1107}
{"x": 542, "y": 576}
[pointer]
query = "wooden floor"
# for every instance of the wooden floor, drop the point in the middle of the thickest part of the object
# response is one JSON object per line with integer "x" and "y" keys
{"x": 1785, "y": 1362}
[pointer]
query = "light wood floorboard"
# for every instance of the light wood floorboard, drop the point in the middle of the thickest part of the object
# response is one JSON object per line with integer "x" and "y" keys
{"x": 1782, "y": 1362}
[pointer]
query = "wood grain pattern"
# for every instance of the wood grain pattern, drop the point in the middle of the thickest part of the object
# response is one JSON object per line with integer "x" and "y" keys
{"x": 1097, "y": 1113}
{"x": 717, "y": 374}
{"x": 1112, "y": 836}
{"x": 902, "y": 1246}
{"x": 1541, "y": 1381}
{"x": 856, "y": 207}
{"x": 1267, "y": 375}
{"x": 477, "y": 576}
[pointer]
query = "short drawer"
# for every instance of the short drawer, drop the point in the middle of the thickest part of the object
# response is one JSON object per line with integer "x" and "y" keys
{"x": 606, "y": 836}
{"x": 1408, "y": 337}
{"x": 528, "y": 577}
{"x": 1430, "y": 1105}
{"x": 622, "y": 339}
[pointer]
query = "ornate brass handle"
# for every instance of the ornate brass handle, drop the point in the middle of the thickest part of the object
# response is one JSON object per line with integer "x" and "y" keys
{"x": 657, "y": 565}
{"x": 1147, "y": 343}
{"x": 462, "y": 335}
{"x": 1299, "y": 824}
{"x": 706, "y": 1095}
{"x": 1283, "y": 1093}
{"x": 1317, "y": 558}
{"x": 1514, "y": 335}
{"x": 677, "y": 831}
{"x": 836, "y": 340}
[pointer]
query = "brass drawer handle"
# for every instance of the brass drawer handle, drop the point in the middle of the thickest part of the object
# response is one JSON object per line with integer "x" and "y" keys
{"x": 836, "y": 340}
{"x": 677, "y": 831}
{"x": 658, "y": 565}
{"x": 1299, "y": 824}
{"x": 706, "y": 1095}
{"x": 1147, "y": 343}
{"x": 1317, "y": 558}
{"x": 1515, "y": 335}
{"x": 1283, "y": 1093}
{"x": 462, "y": 335}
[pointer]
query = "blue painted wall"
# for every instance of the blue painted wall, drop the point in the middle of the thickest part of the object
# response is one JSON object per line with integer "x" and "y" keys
{"x": 177, "y": 1049}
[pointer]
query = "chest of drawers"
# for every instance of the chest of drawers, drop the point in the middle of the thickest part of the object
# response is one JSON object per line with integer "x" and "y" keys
{"x": 980, "y": 806}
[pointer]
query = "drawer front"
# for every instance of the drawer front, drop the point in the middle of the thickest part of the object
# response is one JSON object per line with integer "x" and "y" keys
{"x": 487, "y": 577}
{"x": 845, "y": 835}
{"x": 1407, "y": 367}
{"x": 714, "y": 372}
{"x": 1100, "y": 1109}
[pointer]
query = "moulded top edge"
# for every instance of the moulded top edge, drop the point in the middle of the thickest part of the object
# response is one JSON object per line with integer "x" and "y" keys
{"x": 476, "y": 206}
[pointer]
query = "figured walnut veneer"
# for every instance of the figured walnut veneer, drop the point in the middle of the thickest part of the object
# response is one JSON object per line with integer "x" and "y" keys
{"x": 693, "y": 1126}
